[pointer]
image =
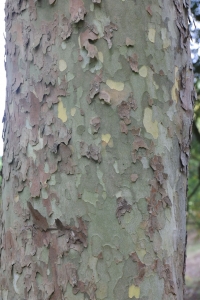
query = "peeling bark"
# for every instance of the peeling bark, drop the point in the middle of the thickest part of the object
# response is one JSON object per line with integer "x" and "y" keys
{"x": 97, "y": 130}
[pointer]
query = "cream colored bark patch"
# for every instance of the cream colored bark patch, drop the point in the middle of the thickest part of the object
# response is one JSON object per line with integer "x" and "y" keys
{"x": 116, "y": 97}
{"x": 15, "y": 279}
{"x": 100, "y": 56}
{"x": 156, "y": 86}
{"x": 114, "y": 85}
{"x": 116, "y": 167}
{"x": 93, "y": 266}
{"x": 62, "y": 65}
{"x": 129, "y": 42}
{"x": 151, "y": 35}
{"x": 92, "y": 198}
{"x": 5, "y": 294}
{"x": 16, "y": 198}
{"x": 134, "y": 291}
{"x": 150, "y": 126}
{"x": 143, "y": 71}
{"x": 110, "y": 143}
{"x": 62, "y": 112}
{"x": 141, "y": 253}
{"x": 102, "y": 290}
{"x": 166, "y": 41}
{"x": 73, "y": 111}
{"x": 175, "y": 86}
{"x": 106, "y": 138}
{"x": 79, "y": 42}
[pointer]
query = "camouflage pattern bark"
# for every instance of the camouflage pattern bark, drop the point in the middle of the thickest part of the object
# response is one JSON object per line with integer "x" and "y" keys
{"x": 97, "y": 129}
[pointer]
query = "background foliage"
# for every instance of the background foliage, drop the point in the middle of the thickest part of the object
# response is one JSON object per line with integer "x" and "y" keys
{"x": 194, "y": 166}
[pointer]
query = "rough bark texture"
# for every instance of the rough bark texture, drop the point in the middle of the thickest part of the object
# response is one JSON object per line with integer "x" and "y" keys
{"x": 96, "y": 145}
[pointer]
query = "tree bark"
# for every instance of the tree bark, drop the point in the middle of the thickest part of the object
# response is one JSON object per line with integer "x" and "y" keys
{"x": 97, "y": 128}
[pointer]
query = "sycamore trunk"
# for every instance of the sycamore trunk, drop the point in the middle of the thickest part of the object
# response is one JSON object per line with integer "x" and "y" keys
{"x": 97, "y": 128}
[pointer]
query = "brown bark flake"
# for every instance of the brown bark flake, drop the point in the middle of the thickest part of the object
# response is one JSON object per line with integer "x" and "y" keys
{"x": 77, "y": 10}
{"x": 103, "y": 95}
{"x": 65, "y": 28}
{"x": 92, "y": 151}
{"x": 95, "y": 124}
{"x": 90, "y": 34}
{"x": 122, "y": 208}
{"x": 95, "y": 87}
{"x": 133, "y": 61}
{"x": 38, "y": 219}
{"x": 52, "y": 2}
{"x": 124, "y": 112}
{"x": 108, "y": 33}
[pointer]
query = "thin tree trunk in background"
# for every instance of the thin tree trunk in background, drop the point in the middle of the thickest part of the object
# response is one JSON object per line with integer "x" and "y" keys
{"x": 97, "y": 129}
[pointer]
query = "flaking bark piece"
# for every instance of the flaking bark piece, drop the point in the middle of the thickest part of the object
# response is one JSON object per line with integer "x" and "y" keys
{"x": 18, "y": 80}
{"x": 95, "y": 124}
{"x": 185, "y": 92}
{"x": 180, "y": 23}
{"x": 186, "y": 3}
{"x": 157, "y": 166}
{"x": 52, "y": 2}
{"x": 91, "y": 151}
{"x": 90, "y": 34}
{"x": 141, "y": 268}
{"x": 139, "y": 143}
{"x": 108, "y": 33}
{"x": 77, "y": 235}
{"x": 133, "y": 61}
{"x": 38, "y": 219}
{"x": 185, "y": 150}
{"x": 37, "y": 35}
{"x": 72, "y": 274}
{"x": 96, "y": 1}
{"x": 124, "y": 112}
{"x": 164, "y": 271}
{"x": 148, "y": 9}
{"x": 95, "y": 153}
{"x": 95, "y": 87}
{"x": 103, "y": 95}
{"x": 152, "y": 226}
{"x": 167, "y": 201}
{"x": 88, "y": 288}
{"x": 123, "y": 127}
{"x": 32, "y": 10}
{"x": 122, "y": 208}
{"x": 64, "y": 135}
{"x": 136, "y": 131}
{"x": 77, "y": 10}
{"x": 66, "y": 164}
{"x": 129, "y": 42}
{"x": 178, "y": 5}
{"x": 41, "y": 89}
{"x": 134, "y": 177}
{"x": 34, "y": 110}
{"x": 132, "y": 101}
{"x": 65, "y": 29}
{"x": 60, "y": 225}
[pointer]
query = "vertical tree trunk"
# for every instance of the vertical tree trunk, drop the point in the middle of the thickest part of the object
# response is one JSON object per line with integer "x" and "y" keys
{"x": 97, "y": 129}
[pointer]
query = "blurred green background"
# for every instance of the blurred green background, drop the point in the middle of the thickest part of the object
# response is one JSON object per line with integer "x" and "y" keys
{"x": 194, "y": 166}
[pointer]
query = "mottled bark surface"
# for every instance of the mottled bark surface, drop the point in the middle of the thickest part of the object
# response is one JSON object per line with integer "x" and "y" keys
{"x": 96, "y": 144}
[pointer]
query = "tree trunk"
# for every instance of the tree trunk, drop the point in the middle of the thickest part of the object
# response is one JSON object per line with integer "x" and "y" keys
{"x": 97, "y": 129}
